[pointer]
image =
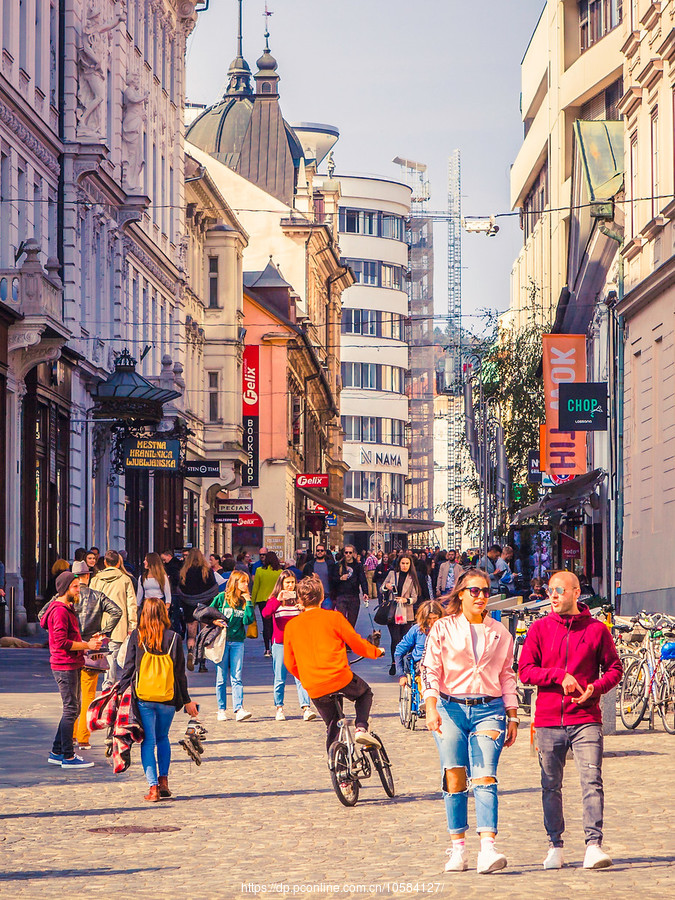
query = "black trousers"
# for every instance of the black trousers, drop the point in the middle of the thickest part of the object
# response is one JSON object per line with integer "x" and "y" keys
{"x": 68, "y": 682}
{"x": 349, "y": 607}
{"x": 266, "y": 626}
{"x": 396, "y": 633}
{"x": 360, "y": 693}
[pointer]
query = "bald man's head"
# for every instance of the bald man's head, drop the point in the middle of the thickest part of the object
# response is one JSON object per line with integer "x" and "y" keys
{"x": 563, "y": 591}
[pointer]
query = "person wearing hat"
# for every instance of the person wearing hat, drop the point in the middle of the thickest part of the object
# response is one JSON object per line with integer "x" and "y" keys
{"x": 66, "y": 658}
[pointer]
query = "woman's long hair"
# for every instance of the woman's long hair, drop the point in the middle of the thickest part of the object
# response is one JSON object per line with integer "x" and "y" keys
{"x": 153, "y": 623}
{"x": 155, "y": 569}
{"x": 452, "y": 603}
{"x": 272, "y": 561}
{"x": 412, "y": 572}
{"x": 237, "y": 586}
{"x": 280, "y": 582}
{"x": 195, "y": 559}
{"x": 428, "y": 609}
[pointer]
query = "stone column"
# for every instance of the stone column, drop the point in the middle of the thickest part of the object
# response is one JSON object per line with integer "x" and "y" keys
{"x": 16, "y": 390}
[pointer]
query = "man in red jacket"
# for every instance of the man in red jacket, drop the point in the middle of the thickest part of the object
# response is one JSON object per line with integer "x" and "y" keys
{"x": 571, "y": 658}
{"x": 66, "y": 658}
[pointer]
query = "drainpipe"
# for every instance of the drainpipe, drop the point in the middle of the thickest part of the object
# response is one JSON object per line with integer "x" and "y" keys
{"x": 616, "y": 392}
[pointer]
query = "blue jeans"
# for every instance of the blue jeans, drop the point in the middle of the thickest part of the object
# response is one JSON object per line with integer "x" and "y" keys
{"x": 156, "y": 719}
{"x": 233, "y": 659}
{"x": 280, "y": 673}
{"x": 463, "y": 744}
{"x": 586, "y": 744}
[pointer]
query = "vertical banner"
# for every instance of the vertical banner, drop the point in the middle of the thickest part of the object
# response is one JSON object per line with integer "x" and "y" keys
{"x": 250, "y": 409}
{"x": 564, "y": 362}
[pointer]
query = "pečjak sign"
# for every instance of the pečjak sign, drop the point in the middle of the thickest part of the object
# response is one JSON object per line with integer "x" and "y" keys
{"x": 151, "y": 453}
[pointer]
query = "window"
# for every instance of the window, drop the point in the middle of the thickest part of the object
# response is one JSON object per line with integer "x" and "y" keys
{"x": 655, "y": 161}
{"x": 5, "y": 210}
{"x": 213, "y": 282}
{"x": 23, "y": 34}
{"x": 38, "y": 44}
{"x": 369, "y": 321}
{"x": 213, "y": 397}
{"x": 535, "y": 202}
{"x": 350, "y": 223}
{"x": 351, "y": 321}
{"x": 356, "y": 221}
{"x": 352, "y": 484}
{"x": 37, "y": 214}
{"x": 351, "y": 374}
{"x": 596, "y": 19}
{"x": 369, "y": 485}
{"x": 391, "y": 227}
{"x": 633, "y": 183}
{"x": 54, "y": 54}
{"x": 21, "y": 204}
{"x": 391, "y": 277}
{"x": 369, "y": 429}
{"x": 370, "y": 272}
{"x": 369, "y": 376}
{"x": 351, "y": 425}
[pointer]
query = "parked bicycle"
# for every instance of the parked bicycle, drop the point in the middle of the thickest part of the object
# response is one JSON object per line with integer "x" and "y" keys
{"x": 649, "y": 679}
{"x": 350, "y": 762}
{"x": 410, "y": 704}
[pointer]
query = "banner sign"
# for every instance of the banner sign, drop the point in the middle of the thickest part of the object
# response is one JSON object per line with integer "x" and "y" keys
{"x": 583, "y": 406}
{"x": 234, "y": 506}
{"x": 571, "y": 548}
{"x": 564, "y": 362}
{"x": 533, "y": 471}
{"x": 151, "y": 453}
{"x": 312, "y": 480}
{"x": 250, "y": 521}
{"x": 226, "y": 519}
{"x": 250, "y": 415}
{"x": 195, "y": 468}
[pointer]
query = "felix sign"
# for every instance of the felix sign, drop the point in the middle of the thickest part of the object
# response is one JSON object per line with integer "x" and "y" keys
{"x": 250, "y": 408}
{"x": 312, "y": 480}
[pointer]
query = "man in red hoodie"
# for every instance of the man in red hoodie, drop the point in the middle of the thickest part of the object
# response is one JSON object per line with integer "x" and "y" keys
{"x": 66, "y": 658}
{"x": 571, "y": 658}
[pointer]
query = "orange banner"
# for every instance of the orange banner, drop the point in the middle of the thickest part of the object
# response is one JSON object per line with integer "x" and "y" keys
{"x": 564, "y": 362}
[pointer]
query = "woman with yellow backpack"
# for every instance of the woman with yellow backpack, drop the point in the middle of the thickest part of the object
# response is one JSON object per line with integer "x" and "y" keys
{"x": 155, "y": 665}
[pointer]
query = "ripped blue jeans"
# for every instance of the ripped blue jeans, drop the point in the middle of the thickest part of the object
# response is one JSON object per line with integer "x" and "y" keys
{"x": 462, "y": 743}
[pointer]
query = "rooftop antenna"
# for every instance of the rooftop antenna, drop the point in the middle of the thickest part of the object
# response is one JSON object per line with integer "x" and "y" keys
{"x": 239, "y": 36}
{"x": 266, "y": 16}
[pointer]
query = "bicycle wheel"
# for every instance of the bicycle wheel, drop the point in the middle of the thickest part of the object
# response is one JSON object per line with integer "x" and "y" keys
{"x": 666, "y": 698}
{"x": 634, "y": 698}
{"x": 345, "y": 785}
{"x": 383, "y": 766}
{"x": 405, "y": 705}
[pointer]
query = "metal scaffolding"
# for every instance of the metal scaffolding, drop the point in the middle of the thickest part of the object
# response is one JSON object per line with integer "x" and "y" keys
{"x": 453, "y": 379}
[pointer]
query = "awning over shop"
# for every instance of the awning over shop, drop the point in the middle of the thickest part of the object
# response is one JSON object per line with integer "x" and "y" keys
{"x": 563, "y": 497}
{"x": 407, "y": 526}
{"x": 601, "y": 155}
{"x": 350, "y": 513}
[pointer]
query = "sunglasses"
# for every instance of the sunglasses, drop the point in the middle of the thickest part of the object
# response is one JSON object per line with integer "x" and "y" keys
{"x": 349, "y": 552}
{"x": 478, "y": 592}
{"x": 555, "y": 590}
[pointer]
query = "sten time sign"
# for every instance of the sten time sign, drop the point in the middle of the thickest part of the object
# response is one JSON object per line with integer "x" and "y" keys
{"x": 151, "y": 453}
{"x": 583, "y": 406}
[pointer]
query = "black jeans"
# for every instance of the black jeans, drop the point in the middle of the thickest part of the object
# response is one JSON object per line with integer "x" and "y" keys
{"x": 586, "y": 743}
{"x": 396, "y": 633}
{"x": 349, "y": 607}
{"x": 359, "y": 692}
{"x": 266, "y": 626}
{"x": 68, "y": 681}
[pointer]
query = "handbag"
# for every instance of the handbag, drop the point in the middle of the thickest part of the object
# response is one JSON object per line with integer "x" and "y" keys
{"x": 252, "y": 630}
{"x": 385, "y": 613}
{"x": 97, "y": 660}
{"x": 216, "y": 650}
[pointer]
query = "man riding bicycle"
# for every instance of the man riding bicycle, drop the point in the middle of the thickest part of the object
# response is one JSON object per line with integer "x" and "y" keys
{"x": 315, "y": 652}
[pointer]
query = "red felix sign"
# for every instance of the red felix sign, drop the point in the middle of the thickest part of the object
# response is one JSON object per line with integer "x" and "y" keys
{"x": 315, "y": 480}
{"x": 249, "y": 393}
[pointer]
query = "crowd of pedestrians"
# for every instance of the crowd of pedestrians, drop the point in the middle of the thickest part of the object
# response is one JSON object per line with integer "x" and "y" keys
{"x": 102, "y": 620}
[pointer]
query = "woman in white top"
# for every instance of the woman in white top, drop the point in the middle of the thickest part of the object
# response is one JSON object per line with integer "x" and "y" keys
{"x": 154, "y": 580}
{"x": 471, "y": 709}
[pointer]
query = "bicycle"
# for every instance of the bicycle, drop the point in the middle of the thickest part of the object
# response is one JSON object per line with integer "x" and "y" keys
{"x": 410, "y": 704}
{"x": 649, "y": 681}
{"x": 349, "y": 762}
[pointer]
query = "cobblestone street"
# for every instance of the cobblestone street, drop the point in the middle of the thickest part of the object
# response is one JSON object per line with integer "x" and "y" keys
{"x": 260, "y": 816}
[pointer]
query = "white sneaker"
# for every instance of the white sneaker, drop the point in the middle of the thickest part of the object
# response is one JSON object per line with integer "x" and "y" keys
{"x": 280, "y": 717}
{"x": 458, "y": 861}
{"x": 596, "y": 858}
{"x": 490, "y": 860}
{"x": 366, "y": 738}
{"x": 222, "y": 715}
{"x": 242, "y": 715}
{"x": 554, "y": 858}
{"x": 309, "y": 715}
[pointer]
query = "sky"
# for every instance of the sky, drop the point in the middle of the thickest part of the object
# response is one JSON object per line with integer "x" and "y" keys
{"x": 409, "y": 78}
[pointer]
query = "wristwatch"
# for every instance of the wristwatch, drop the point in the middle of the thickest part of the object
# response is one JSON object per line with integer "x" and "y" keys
{"x": 514, "y": 719}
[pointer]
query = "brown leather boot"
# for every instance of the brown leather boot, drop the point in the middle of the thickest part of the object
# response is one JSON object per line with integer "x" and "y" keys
{"x": 163, "y": 786}
{"x": 153, "y": 794}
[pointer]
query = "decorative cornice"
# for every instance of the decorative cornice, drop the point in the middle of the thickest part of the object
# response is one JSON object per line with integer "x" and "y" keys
{"x": 28, "y": 139}
{"x": 130, "y": 247}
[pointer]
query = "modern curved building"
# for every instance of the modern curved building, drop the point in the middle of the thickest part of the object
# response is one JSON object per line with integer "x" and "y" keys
{"x": 375, "y": 358}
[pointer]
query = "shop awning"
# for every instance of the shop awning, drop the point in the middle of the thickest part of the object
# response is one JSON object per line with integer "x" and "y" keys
{"x": 349, "y": 513}
{"x": 408, "y": 526}
{"x": 601, "y": 152}
{"x": 563, "y": 497}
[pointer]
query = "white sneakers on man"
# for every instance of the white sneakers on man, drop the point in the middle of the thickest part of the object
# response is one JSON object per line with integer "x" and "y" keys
{"x": 366, "y": 738}
{"x": 222, "y": 715}
{"x": 490, "y": 860}
{"x": 242, "y": 715}
{"x": 308, "y": 714}
{"x": 554, "y": 858}
{"x": 458, "y": 861}
{"x": 280, "y": 717}
{"x": 596, "y": 858}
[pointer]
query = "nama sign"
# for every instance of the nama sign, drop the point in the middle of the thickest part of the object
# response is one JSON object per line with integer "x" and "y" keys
{"x": 315, "y": 480}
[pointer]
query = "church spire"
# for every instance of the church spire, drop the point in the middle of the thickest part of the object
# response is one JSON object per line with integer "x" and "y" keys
{"x": 267, "y": 78}
{"x": 239, "y": 74}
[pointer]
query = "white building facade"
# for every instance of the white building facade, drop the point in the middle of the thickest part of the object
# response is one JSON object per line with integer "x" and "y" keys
{"x": 374, "y": 405}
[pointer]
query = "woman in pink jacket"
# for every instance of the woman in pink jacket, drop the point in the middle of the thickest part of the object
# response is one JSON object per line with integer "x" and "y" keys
{"x": 471, "y": 708}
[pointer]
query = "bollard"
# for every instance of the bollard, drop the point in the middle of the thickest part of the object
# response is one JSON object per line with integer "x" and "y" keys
{"x": 608, "y": 710}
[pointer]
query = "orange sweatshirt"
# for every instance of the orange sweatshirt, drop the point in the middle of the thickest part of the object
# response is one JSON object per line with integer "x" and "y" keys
{"x": 314, "y": 650}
